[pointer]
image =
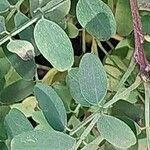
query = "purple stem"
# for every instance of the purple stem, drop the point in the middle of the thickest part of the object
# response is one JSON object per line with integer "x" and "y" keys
{"x": 139, "y": 53}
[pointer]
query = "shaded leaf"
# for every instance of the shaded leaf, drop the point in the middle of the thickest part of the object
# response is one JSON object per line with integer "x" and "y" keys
{"x": 123, "y": 17}
{"x": 16, "y": 91}
{"x": 3, "y": 112}
{"x": 51, "y": 105}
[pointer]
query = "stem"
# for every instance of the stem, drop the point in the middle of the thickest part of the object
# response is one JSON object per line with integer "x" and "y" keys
{"x": 86, "y": 131}
{"x": 98, "y": 140}
{"x": 119, "y": 95}
{"x": 17, "y": 31}
{"x": 83, "y": 41}
{"x": 86, "y": 121}
{"x": 139, "y": 53}
{"x": 127, "y": 73}
{"x": 23, "y": 27}
{"x": 147, "y": 112}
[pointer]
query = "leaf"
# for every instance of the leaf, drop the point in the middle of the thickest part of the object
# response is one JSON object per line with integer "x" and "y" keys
{"x": 74, "y": 87}
{"x": 145, "y": 22}
{"x": 4, "y": 6}
{"x": 27, "y": 107}
{"x": 72, "y": 30}
{"x": 54, "y": 44}
{"x": 22, "y": 48}
{"x": 2, "y": 25}
{"x": 42, "y": 139}
{"x": 64, "y": 93}
{"x": 3, "y": 112}
{"x": 116, "y": 132}
{"x": 39, "y": 117}
{"x": 97, "y": 18}
{"x": 27, "y": 34}
{"x": 16, "y": 91}
{"x": 26, "y": 69}
{"x": 123, "y": 18}
{"x": 92, "y": 79}
{"x": 56, "y": 10}
{"x": 3, "y": 146}
{"x": 4, "y": 67}
{"x": 16, "y": 123}
{"x": 35, "y": 4}
{"x": 52, "y": 106}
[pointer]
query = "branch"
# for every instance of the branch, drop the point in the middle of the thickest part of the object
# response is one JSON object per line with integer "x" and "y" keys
{"x": 139, "y": 53}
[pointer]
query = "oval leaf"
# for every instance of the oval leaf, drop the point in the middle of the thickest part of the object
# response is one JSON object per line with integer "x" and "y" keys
{"x": 42, "y": 140}
{"x": 22, "y": 48}
{"x": 97, "y": 18}
{"x": 74, "y": 87}
{"x": 52, "y": 106}
{"x": 16, "y": 123}
{"x": 92, "y": 79}
{"x": 26, "y": 69}
{"x": 16, "y": 91}
{"x": 116, "y": 132}
{"x": 54, "y": 44}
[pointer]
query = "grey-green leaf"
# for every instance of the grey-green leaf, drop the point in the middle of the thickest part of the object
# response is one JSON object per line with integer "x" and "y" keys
{"x": 116, "y": 132}
{"x": 4, "y": 5}
{"x": 16, "y": 123}
{"x": 92, "y": 79}
{"x": 22, "y": 48}
{"x": 74, "y": 87}
{"x": 54, "y": 44}
{"x": 26, "y": 69}
{"x": 52, "y": 106}
{"x": 42, "y": 140}
{"x": 2, "y": 25}
{"x": 97, "y": 18}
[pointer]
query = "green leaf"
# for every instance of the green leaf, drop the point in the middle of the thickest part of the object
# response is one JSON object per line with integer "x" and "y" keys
{"x": 145, "y": 22}
{"x": 4, "y": 67}
{"x": 3, "y": 112}
{"x": 54, "y": 44}
{"x": 39, "y": 117}
{"x": 74, "y": 87}
{"x": 2, "y": 25}
{"x": 52, "y": 106}
{"x": 97, "y": 18}
{"x": 16, "y": 91}
{"x": 16, "y": 123}
{"x": 3, "y": 146}
{"x": 116, "y": 132}
{"x": 22, "y": 48}
{"x": 4, "y": 5}
{"x": 27, "y": 34}
{"x": 123, "y": 17}
{"x": 26, "y": 69}
{"x": 42, "y": 139}
{"x": 72, "y": 30}
{"x": 64, "y": 93}
{"x": 56, "y": 10}
{"x": 92, "y": 79}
